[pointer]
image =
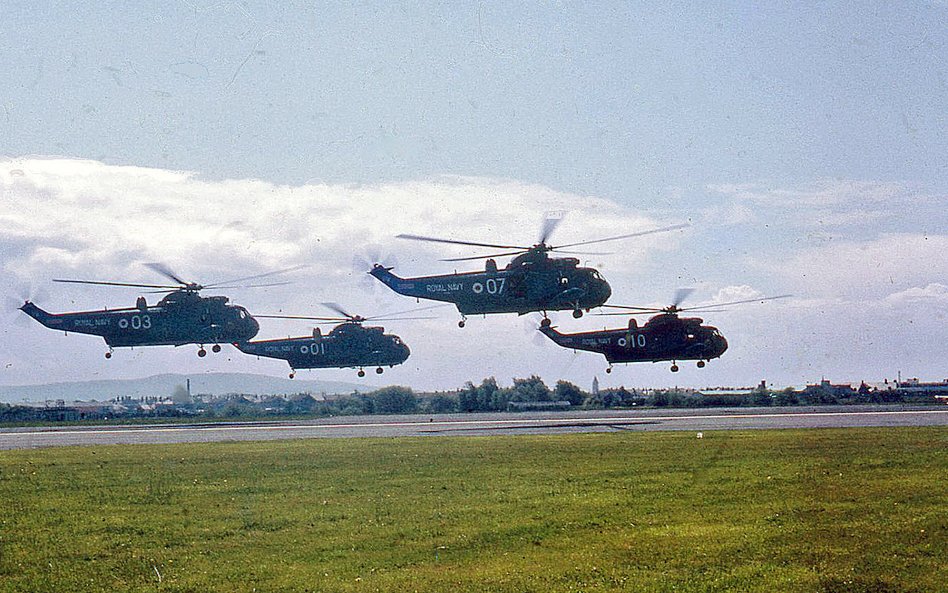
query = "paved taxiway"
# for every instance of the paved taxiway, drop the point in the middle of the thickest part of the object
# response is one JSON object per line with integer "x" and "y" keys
{"x": 482, "y": 424}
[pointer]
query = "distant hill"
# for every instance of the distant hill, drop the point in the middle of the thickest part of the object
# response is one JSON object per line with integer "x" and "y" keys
{"x": 161, "y": 385}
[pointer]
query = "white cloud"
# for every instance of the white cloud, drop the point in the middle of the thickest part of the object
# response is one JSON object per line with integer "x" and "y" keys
{"x": 829, "y": 204}
{"x": 861, "y": 307}
{"x": 866, "y": 270}
{"x": 84, "y": 219}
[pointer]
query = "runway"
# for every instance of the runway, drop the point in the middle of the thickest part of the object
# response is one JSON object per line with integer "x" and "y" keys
{"x": 481, "y": 424}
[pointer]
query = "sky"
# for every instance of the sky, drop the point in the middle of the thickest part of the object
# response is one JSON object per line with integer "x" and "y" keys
{"x": 804, "y": 143}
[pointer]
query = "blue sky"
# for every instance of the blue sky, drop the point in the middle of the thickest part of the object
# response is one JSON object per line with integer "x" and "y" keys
{"x": 805, "y": 143}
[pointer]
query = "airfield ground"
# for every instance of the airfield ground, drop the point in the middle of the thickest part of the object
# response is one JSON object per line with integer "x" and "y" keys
{"x": 834, "y": 510}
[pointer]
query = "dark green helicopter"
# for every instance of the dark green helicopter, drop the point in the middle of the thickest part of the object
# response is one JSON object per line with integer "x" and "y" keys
{"x": 348, "y": 345}
{"x": 664, "y": 337}
{"x": 532, "y": 281}
{"x": 181, "y": 317}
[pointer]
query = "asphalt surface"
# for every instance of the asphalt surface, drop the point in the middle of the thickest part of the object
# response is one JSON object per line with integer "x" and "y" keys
{"x": 699, "y": 420}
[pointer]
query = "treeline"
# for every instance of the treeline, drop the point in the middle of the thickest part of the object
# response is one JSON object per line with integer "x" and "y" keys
{"x": 488, "y": 396}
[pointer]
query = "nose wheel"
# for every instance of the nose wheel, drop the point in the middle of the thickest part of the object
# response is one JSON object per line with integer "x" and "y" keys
{"x": 378, "y": 371}
{"x": 674, "y": 368}
{"x": 546, "y": 322}
{"x": 292, "y": 374}
{"x": 202, "y": 352}
{"x": 608, "y": 370}
{"x": 361, "y": 373}
{"x": 108, "y": 354}
{"x": 463, "y": 321}
{"x": 700, "y": 364}
{"x": 216, "y": 348}
{"x": 577, "y": 313}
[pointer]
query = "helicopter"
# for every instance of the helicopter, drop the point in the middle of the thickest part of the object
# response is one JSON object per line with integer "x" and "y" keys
{"x": 664, "y": 337}
{"x": 348, "y": 345}
{"x": 532, "y": 281}
{"x": 181, "y": 317}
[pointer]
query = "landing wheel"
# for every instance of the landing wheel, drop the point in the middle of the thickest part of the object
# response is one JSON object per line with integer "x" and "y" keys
{"x": 202, "y": 353}
{"x": 461, "y": 323}
{"x": 700, "y": 364}
{"x": 608, "y": 370}
{"x": 292, "y": 375}
{"x": 546, "y": 322}
{"x": 674, "y": 368}
{"x": 217, "y": 348}
{"x": 361, "y": 373}
{"x": 378, "y": 371}
{"x": 577, "y": 313}
{"x": 108, "y": 355}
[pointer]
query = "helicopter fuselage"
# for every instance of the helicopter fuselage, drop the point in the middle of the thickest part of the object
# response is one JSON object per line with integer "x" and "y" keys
{"x": 181, "y": 317}
{"x": 662, "y": 338}
{"x": 524, "y": 286}
{"x": 348, "y": 345}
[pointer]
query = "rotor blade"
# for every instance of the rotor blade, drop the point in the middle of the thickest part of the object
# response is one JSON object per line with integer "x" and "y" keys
{"x": 387, "y": 319}
{"x": 587, "y": 252}
{"x": 639, "y": 234}
{"x": 474, "y": 257}
{"x": 416, "y": 310}
{"x": 549, "y": 225}
{"x": 165, "y": 271}
{"x": 680, "y": 295}
{"x": 307, "y": 317}
{"x": 338, "y": 309}
{"x": 215, "y": 287}
{"x": 453, "y": 242}
{"x": 760, "y": 300}
{"x": 254, "y": 277}
{"x": 626, "y": 307}
{"x": 626, "y": 314}
{"x": 117, "y": 284}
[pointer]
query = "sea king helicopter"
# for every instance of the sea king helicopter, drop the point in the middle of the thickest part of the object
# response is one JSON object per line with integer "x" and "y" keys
{"x": 532, "y": 281}
{"x": 181, "y": 317}
{"x": 664, "y": 337}
{"x": 348, "y": 345}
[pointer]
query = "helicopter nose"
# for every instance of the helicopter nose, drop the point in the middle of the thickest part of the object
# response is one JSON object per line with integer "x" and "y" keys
{"x": 405, "y": 352}
{"x": 604, "y": 290}
{"x": 252, "y": 327}
{"x": 719, "y": 345}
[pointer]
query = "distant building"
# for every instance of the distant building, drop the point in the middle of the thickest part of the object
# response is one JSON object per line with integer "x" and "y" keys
{"x": 914, "y": 386}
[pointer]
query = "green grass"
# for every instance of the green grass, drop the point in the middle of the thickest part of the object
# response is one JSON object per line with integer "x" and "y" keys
{"x": 855, "y": 510}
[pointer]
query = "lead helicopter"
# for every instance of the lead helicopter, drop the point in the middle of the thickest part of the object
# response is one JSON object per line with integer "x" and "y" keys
{"x": 664, "y": 337}
{"x": 348, "y": 345}
{"x": 181, "y": 317}
{"x": 532, "y": 281}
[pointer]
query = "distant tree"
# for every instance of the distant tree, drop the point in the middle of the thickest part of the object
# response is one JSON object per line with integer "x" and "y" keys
{"x": 441, "y": 404}
{"x": 394, "y": 400}
{"x": 659, "y": 399}
{"x": 566, "y": 391}
{"x": 467, "y": 398}
{"x": 180, "y": 396}
{"x": 489, "y": 396}
{"x": 532, "y": 389}
{"x": 787, "y": 397}
{"x": 761, "y": 397}
{"x": 301, "y": 403}
{"x": 485, "y": 397}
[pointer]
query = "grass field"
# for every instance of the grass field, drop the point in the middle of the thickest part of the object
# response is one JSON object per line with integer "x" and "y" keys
{"x": 852, "y": 510}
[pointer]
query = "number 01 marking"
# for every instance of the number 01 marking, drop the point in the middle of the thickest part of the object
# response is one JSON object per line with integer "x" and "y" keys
{"x": 316, "y": 348}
